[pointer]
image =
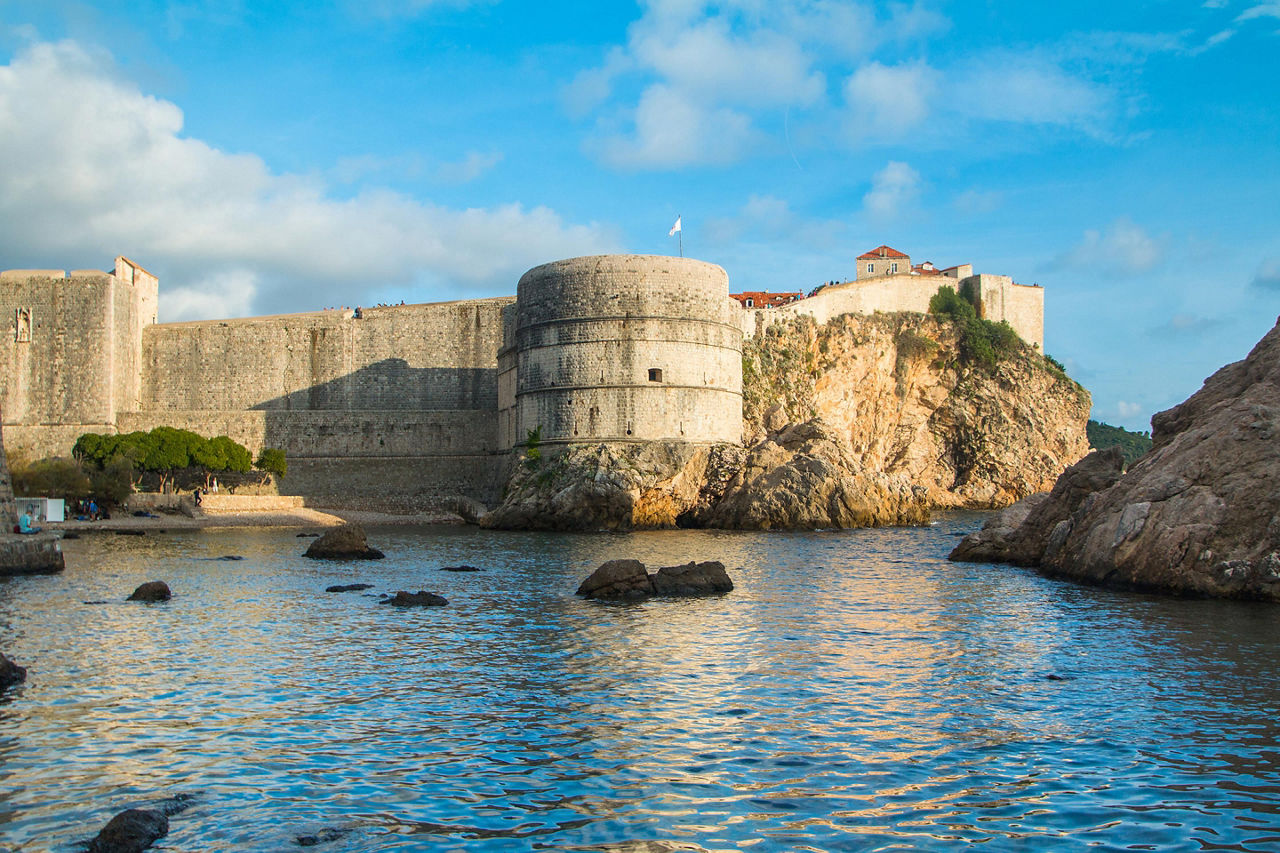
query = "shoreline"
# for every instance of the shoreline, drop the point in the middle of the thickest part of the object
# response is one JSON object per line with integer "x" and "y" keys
{"x": 300, "y": 517}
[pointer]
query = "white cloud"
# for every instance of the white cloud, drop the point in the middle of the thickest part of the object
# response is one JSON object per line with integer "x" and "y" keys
{"x": 105, "y": 170}
{"x": 673, "y": 130}
{"x": 1261, "y": 10}
{"x": 469, "y": 168}
{"x": 1028, "y": 89}
{"x": 978, "y": 201}
{"x": 893, "y": 189}
{"x": 1127, "y": 410}
{"x": 886, "y": 101}
{"x": 716, "y": 69}
{"x": 1123, "y": 245}
{"x": 1268, "y": 275}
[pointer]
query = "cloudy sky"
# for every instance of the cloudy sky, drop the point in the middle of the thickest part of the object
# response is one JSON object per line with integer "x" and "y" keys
{"x": 269, "y": 157}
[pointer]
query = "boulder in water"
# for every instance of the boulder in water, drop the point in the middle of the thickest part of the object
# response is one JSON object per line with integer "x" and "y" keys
{"x": 628, "y": 580}
{"x": 348, "y": 587}
{"x": 11, "y": 673}
{"x": 131, "y": 831}
{"x": 347, "y": 542}
{"x": 151, "y": 591}
{"x": 618, "y": 579}
{"x": 421, "y": 598}
{"x": 692, "y": 579}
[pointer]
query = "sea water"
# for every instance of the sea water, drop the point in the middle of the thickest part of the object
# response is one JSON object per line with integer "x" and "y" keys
{"x": 855, "y": 691}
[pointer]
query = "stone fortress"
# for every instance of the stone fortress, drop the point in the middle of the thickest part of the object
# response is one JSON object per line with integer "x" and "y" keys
{"x": 398, "y": 407}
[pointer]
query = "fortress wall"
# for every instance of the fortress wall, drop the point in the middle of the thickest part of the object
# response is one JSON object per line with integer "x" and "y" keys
{"x": 1021, "y": 306}
{"x": 345, "y": 434}
{"x": 409, "y": 357}
{"x": 396, "y": 484}
{"x": 58, "y": 370}
{"x": 590, "y": 331}
{"x": 136, "y": 298}
{"x": 882, "y": 293}
{"x": 391, "y": 460}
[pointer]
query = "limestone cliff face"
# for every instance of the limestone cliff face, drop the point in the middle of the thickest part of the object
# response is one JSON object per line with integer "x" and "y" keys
{"x": 1198, "y": 515}
{"x": 894, "y": 386}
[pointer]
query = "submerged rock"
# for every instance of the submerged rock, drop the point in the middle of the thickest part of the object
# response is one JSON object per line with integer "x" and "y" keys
{"x": 11, "y": 673}
{"x": 322, "y": 837}
{"x": 1197, "y": 515}
{"x": 347, "y": 542}
{"x": 628, "y": 580}
{"x": 151, "y": 591}
{"x": 421, "y": 598}
{"x": 348, "y": 587}
{"x": 460, "y": 569}
{"x": 131, "y": 831}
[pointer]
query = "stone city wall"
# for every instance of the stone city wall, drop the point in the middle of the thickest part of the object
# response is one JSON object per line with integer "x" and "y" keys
{"x": 1022, "y": 306}
{"x": 408, "y": 357}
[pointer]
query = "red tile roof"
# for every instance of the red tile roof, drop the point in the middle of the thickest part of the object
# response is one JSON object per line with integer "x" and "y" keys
{"x": 764, "y": 299}
{"x": 881, "y": 252}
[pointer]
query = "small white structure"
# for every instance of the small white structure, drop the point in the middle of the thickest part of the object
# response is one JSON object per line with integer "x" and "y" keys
{"x": 42, "y": 509}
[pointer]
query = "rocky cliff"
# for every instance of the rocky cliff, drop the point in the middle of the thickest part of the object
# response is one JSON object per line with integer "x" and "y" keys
{"x": 901, "y": 391}
{"x": 1199, "y": 514}
{"x": 868, "y": 420}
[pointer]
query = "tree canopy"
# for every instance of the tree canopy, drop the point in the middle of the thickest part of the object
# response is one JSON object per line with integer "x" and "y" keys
{"x": 163, "y": 451}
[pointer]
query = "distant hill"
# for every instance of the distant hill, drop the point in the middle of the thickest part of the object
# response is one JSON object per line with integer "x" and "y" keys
{"x": 1132, "y": 444}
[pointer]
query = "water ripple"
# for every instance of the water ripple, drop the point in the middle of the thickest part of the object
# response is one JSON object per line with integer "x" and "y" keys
{"x": 855, "y": 691}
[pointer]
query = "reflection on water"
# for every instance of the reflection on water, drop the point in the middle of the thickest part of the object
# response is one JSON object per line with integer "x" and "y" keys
{"x": 855, "y": 691}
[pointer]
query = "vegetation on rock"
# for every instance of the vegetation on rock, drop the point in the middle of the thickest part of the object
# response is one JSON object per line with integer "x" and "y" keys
{"x": 1134, "y": 445}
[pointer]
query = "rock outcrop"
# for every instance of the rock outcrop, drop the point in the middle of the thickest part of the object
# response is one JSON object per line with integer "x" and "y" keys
{"x": 151, "y": 591}
{"x": 899, "y": 389}
{"x": 11, "y": 673}
{"x": 347, "y": 542}
{"x": 628, "y": 580}
{"x": 805, "y": 478}
{"x": 1200, "y": 513}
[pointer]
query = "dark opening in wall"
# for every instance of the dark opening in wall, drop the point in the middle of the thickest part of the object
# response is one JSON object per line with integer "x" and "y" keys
{"x": 655, "y": 374}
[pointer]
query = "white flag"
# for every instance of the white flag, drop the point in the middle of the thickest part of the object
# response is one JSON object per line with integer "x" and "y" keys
{"x": 674, "y": 228}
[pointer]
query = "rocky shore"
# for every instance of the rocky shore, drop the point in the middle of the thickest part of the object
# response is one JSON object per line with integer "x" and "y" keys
{"x": 1198, "y": 515}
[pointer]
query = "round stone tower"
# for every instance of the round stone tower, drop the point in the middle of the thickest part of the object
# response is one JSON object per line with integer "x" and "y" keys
{"x": 628, "y": 348}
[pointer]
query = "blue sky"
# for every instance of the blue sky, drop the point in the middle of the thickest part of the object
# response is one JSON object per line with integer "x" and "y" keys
{"x": 267, "y": 157}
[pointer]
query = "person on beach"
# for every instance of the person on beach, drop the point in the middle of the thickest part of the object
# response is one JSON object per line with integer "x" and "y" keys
{"x": 24, "y": 524}
{"x": 196, "y": 496}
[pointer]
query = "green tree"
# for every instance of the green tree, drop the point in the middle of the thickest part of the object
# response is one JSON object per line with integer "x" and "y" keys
{"x": 272, "y": 460}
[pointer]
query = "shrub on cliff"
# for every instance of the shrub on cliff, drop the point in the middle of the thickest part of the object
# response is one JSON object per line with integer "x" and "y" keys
{"x": 983, "y": 344}
{"x": 946, "y": 302}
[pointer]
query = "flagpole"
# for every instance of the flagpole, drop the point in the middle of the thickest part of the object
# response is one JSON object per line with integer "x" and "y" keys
{"x": 680, "y": 237}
